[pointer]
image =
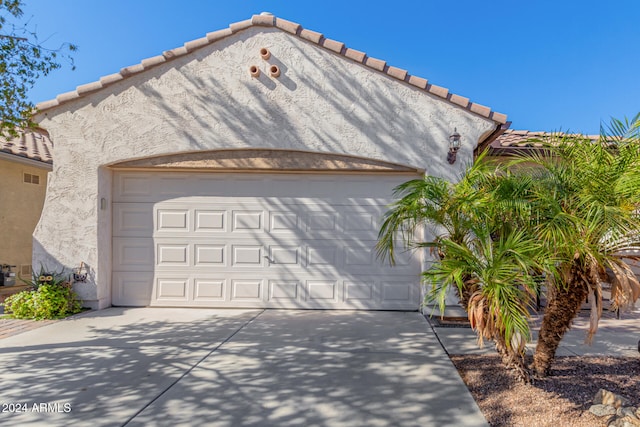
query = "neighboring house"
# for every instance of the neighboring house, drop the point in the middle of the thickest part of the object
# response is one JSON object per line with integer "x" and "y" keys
{"x": 516, "y": 141}
{"x": 522, "y": 141}
{"x": 248, "y": 168}
{"x": 513, "y": 141}
{"x": 25, "y": 161}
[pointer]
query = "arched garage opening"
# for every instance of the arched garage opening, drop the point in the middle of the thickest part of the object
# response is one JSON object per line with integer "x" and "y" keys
{"x": 257, "y": 228}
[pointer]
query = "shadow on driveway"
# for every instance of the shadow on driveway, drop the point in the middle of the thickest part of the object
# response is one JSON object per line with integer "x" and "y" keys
{"x": 233, "y": 368}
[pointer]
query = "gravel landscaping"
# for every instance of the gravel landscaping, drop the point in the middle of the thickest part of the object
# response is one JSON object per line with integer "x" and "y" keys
{"x": 562, "y": 399}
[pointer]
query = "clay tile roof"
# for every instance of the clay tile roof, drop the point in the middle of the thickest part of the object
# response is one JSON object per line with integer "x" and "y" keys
{"x": 268, "y": 20}
{"x": 518, "y": 140}
{"x": 526, "y": 138}
{"x": 31, "y": 144}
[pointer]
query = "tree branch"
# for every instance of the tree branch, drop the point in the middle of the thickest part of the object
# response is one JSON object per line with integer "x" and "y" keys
{"x": 22, "y": 39}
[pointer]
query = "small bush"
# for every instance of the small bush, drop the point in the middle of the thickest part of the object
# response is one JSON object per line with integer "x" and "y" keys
{"x": 20, "y": 305}
{"x": 49, "y": 301}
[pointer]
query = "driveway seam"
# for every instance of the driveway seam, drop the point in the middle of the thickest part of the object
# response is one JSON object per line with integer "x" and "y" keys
{"x": 188, "y": 371}
{"x": 437, "y": 337}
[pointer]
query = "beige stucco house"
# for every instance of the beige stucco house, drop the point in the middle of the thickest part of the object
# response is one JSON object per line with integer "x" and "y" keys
{"x": 25, "y": 161}
{"x": 248, "y": 168}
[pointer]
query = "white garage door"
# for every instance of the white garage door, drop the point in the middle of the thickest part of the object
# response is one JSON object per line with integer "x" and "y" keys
{"x": 256, "y": 240}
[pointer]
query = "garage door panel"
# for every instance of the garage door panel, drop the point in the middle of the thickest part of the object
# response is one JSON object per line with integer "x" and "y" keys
{"x": 321, "y": 256}
{"x": 404, "y": 258}
{"x": 171, "y": 186}
{"x": 360, "y": 257}
{"x": 397, "y": 292}
{"x": 247, "y": 221}
{"x": 173, "y": 255}
{"x": 322, "y": 291}
{"x": 247, "y": 290}
{"x": 247, "y": 256}
{"x": 283, "y": 222}
{"x": 360, "y": 222}
{"x": 133, "y": 220}
{"x": 210, "y": 221}
{"x": 211, "y": 185}
{"x": 132, "y": 288}
{"x": 360, "y": 292}
{"x": 172, "y": 220}
{"x": 172, "y": 289}
{"x": 228, "y": 240}
{"x": 322, "y": 221}
{"x": 284, "y": 255}
{"x": 209, "y": 289}
{"x": 210, "y": 255}
{"x": 133, "y": 254}
{"x": 284, "y": 291}
{"x": 133, "y": 187}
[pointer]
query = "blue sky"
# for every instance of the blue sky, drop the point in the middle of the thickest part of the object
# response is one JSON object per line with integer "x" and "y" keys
{"x": 548, "y": 65}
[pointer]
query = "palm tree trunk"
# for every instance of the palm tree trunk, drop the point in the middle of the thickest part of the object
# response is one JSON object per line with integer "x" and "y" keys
{"x": 563, "y": 306}
{"x": 511, "y": 359}
{"x": 470, "y": 287}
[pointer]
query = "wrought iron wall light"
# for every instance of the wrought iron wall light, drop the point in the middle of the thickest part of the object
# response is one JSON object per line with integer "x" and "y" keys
{"x": 454, "y": 146}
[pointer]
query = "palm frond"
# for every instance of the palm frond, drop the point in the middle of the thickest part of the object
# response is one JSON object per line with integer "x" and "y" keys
{"x": 625, "y": 287}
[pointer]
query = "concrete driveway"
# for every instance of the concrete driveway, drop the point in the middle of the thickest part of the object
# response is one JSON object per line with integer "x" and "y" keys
{"x": 191, "y": 367}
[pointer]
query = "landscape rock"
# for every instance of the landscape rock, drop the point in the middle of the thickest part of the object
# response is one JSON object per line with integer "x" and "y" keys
{"x": 624, "y": 422}
{"x": 605, "y": 397}
{"x": 627, "y": 411}
{"x": 601, "y": 410}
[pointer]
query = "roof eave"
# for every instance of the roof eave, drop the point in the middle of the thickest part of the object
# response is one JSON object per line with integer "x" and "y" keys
{"x": 17, "y": 158}
{"x": 483, "y": 145}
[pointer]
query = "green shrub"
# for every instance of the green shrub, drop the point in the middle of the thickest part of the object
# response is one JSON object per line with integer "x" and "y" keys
{"x": 20, "y": 305}
{"x": 49, "y": 301}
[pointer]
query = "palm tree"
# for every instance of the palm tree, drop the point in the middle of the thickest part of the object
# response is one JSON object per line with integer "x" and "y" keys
{"x": 495, "y": 271}
{"x": 482, "y": 255}
{"x": 445, "y": 209}
{"x": 586, "y": 198}
{"x": 566, "y": 214}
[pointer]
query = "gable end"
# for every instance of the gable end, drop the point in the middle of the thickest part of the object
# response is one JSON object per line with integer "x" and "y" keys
{"x": 296, "y": 29}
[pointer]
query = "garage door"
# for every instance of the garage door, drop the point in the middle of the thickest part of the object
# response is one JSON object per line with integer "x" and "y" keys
{"x": 256, "y": 240}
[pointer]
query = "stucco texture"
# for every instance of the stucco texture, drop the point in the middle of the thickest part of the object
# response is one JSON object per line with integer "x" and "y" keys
{"x": 207, "y": 100}
{"x": 20, "y": 207}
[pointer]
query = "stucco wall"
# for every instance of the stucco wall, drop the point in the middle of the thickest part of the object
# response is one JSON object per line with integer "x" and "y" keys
{"x": 207, "y": 100}
{"x": 20, "y": 207}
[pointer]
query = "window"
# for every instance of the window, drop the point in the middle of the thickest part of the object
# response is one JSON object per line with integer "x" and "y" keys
{"x": 31, "y": 179}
